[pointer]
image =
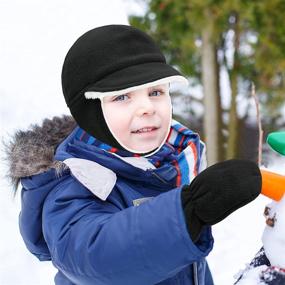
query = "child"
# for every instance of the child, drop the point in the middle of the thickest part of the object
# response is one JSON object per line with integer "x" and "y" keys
{"x": 116, "y": 198}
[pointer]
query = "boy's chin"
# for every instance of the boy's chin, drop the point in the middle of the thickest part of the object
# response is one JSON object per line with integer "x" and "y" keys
{"x": 143, "y": 149}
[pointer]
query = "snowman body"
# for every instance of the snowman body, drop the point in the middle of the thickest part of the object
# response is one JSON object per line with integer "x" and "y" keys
{"x": 273, "y": 237}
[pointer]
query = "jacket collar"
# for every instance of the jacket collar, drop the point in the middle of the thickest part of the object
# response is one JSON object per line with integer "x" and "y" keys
{"x": 134, "y": 168}
{"x": 176, "y": 163}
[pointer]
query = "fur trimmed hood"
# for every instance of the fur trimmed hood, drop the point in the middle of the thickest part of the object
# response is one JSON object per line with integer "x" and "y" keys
{"x": 32, "y": 152}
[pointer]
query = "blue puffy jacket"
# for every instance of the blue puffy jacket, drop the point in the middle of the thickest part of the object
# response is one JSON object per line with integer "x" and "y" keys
{"x": 107, "y": 220}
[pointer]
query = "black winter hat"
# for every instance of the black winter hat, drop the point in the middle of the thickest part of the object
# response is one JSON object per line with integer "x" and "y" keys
{"x": 110, "y": 60}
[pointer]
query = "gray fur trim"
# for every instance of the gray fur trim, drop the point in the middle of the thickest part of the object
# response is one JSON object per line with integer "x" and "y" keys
{"x": 31, "y": 152}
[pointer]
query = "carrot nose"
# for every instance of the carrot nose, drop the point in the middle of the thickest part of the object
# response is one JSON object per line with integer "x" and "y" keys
{"x": 273, "y": 185}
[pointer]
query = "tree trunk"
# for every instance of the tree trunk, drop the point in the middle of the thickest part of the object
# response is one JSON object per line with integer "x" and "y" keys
{"x": 212, "y": 122}
{"x": 233, "y": 121}
{"x": 232, "y": 146}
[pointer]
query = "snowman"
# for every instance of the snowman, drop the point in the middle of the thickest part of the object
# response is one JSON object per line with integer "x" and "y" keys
{"x": 268, "y": 265}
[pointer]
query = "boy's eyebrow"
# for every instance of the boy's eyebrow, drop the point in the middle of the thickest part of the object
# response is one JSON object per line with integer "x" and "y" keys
{"x": 115, "y": 96}
{"x": 163, "y": 86}
{"x": 109, "y": 98}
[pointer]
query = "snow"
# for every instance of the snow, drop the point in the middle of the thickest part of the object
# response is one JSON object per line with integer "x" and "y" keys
{"x": 237, "y": 240}
{"x": 252, "y": 277}
{"x": 35, "y": 36}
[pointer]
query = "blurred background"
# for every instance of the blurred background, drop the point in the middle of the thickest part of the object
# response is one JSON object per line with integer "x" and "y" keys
{"x": 223, "y": 47}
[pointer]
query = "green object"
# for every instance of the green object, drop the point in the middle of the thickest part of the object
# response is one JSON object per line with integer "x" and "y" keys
{"x": 277, "y": 141}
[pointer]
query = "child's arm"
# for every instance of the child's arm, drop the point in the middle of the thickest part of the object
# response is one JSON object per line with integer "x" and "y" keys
{"x": 96, "y": 242}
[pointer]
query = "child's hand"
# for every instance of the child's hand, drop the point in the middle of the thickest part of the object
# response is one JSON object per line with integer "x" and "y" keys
{"x": 218, "y": 191}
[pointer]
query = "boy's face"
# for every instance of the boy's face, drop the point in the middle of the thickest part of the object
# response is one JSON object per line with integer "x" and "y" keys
{"x": 139, "y": 120}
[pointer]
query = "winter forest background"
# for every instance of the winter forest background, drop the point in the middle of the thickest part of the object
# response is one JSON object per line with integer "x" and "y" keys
{"x": 222, "y": 46}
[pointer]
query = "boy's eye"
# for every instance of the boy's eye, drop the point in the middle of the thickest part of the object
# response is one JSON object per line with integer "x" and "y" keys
{"x": 121, "y": 98}
{"x": 156, "y": 92}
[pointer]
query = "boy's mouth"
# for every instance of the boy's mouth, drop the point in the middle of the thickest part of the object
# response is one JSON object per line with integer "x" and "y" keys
{"x": 145, "y": 130}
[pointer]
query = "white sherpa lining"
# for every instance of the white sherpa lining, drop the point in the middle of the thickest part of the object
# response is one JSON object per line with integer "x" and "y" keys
{"x": 100, "y": 95}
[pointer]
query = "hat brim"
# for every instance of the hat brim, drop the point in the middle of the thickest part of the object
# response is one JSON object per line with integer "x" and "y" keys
{"x": 134, "y": 77}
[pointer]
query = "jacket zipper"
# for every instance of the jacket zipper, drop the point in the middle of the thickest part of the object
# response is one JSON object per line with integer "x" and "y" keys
{"x": 195, "y": 273}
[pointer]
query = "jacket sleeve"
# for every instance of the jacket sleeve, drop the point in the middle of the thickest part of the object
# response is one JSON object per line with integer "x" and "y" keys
{"x": 93, "y": 241}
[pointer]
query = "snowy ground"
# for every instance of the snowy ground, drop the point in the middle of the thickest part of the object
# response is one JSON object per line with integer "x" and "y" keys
{"x": 35, "y": 36}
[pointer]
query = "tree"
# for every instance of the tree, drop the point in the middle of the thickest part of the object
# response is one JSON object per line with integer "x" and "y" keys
{"x": 197, "y": 36}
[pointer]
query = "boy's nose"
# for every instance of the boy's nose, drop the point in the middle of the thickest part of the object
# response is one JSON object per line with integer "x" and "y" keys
{"x": 145, "y": 107}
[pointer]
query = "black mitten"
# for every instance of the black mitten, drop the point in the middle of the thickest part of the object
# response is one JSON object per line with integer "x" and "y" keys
{"x": 218, "y": 191}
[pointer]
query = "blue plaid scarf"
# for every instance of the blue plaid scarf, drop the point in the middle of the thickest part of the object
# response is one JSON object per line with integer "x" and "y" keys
{"x": 183, "y": 149}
